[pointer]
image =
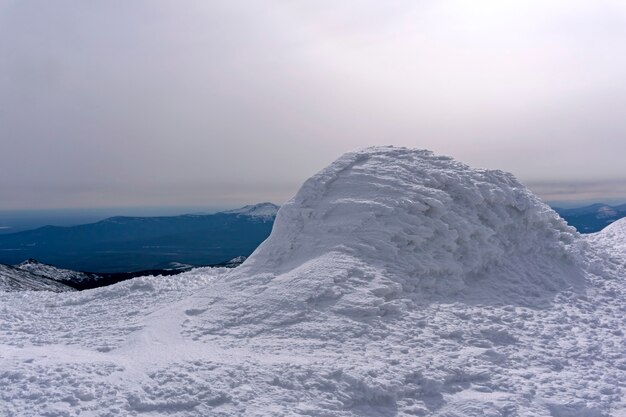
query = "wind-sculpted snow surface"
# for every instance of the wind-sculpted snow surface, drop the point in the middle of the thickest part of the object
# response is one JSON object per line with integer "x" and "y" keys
{"x": 430, "y": 224}
{"x": 612, "y": 238}
{"x": 382, "y": 229}
{"x": 394, "y": 283}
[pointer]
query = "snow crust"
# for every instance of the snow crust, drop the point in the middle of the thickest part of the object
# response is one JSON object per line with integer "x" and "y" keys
{"x": 395, "y": 283}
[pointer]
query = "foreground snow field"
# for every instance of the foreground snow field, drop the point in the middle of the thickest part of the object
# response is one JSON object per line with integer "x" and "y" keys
{"x": 395, "y": 282}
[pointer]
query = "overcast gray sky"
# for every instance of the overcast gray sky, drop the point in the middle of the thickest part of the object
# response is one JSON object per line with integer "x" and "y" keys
{"x": 151, "y": 102}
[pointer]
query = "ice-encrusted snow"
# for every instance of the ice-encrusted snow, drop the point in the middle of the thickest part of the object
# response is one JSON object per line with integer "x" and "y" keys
{"x": 612, "y": 237}
{"x": 263, "y": 211}
{"x": 610, "y": 247}
{"x": 394, "y": 283}
{"x": 430, "y": 224}
{"x": 236, "y": 261}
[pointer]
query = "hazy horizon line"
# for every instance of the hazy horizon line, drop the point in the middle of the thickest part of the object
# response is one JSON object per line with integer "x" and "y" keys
{"x": 159, "y": 210}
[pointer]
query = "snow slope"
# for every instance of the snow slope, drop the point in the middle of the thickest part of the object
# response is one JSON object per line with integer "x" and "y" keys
{"x": 52, "y": 272}
{"x": 16, "y": 279}
{"x": 612, "y": 238}
{"x": 394, "y": 283}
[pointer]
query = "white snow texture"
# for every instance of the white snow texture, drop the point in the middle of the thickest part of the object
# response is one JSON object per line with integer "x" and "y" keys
{"x": 52, "y": 272}
{"x": 395, "y": 283}
{"x": 17, "y": 279}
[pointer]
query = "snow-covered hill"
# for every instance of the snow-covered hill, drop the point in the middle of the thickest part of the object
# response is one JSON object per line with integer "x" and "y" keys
{"x": 54, "y": 273}
{"x": 612, "y": 238}
{"x": 394, "y": 283}
{"x": 123, "y": 244}
{"x": 16, "y": 279}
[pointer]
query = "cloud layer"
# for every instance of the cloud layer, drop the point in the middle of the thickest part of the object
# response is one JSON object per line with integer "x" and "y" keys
{"x": 192, "y": 102}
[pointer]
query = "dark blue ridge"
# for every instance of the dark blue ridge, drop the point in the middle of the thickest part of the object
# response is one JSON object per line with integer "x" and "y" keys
{"x": 130, "y": 244}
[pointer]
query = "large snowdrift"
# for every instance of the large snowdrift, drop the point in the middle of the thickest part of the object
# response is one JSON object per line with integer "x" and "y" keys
{"x": 395, "y": 282}
{"x": 429, "y": 221}
{"x": 383, "y": 228}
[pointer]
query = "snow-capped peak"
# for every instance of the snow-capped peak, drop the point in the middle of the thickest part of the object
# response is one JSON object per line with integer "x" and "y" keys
{"x": 265, "y": 211}
{"x": 27, "y": 263}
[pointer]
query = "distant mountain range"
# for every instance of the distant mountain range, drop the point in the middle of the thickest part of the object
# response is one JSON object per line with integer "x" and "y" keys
{"x": 128, "y": 244}
{"x": 119, "y": 248}
{"x": 592, "y": 218}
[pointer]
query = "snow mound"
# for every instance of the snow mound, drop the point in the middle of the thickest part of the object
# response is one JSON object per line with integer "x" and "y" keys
{"x": 610, "y": 243}
{"x": 384, "y": 231}
{"x": 614, "y": 235}
{"x": 428, "y": 223}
